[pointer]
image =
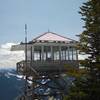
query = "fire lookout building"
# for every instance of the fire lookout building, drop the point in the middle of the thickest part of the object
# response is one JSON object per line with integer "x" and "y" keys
{"x": 48, "y": 52}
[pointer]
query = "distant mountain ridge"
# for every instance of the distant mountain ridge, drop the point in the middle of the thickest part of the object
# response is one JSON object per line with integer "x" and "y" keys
{"x": 10, "y": 84}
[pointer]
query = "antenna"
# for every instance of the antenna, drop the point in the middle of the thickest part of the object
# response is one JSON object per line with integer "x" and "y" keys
{"x": 26, "y": 42}
{"x": 25, "y": 57}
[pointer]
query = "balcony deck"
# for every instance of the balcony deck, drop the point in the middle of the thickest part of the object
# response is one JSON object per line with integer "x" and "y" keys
{"x": 45, "y": 66}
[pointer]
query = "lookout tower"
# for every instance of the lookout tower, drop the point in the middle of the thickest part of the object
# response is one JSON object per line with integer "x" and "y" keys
{"x": 48, "y": 56}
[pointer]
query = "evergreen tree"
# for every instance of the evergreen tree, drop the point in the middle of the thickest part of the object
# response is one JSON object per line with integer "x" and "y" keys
{"x": 87, "y": 87}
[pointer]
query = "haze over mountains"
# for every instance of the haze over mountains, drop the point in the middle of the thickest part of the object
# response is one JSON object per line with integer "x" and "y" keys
{"x": 9, "y": 58}
{"x": 11, "y": 84}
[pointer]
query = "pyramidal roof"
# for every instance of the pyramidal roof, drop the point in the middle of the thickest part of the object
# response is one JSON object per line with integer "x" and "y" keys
{"x": 50, "y": 36}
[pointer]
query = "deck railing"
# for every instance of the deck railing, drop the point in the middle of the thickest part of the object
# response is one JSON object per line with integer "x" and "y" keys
{"x": 42, "y": 66}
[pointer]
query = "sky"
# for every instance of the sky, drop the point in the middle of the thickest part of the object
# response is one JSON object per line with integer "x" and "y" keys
{"x": 59, "y": 16}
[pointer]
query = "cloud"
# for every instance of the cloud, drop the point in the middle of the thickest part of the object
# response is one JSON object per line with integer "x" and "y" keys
{"x": 8, "y": 59}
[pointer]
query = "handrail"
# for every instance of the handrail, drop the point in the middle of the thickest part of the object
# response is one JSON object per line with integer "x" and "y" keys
{"x": 45, "y": 65}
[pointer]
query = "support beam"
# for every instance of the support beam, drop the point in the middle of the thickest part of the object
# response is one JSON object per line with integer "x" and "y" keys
{"x": 52, "y": 57}
{"x": 60, "y": 53}
{"x": 46, "y": 55}
{"x": 72, "y": 53}
{"x": 40, "y": 54}
{"x": 33, "y": 53}
{"x": 68, "y": 54}
{"x": 76, "y": 54}
{"x": 42, "y": 49}
{"x": 65, "y": 53}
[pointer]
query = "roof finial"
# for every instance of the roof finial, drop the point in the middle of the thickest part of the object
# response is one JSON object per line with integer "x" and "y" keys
{"x": 48, "y": 30}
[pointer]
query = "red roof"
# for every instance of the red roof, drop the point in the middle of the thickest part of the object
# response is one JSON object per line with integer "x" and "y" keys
{"x": 50, "y": 36}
